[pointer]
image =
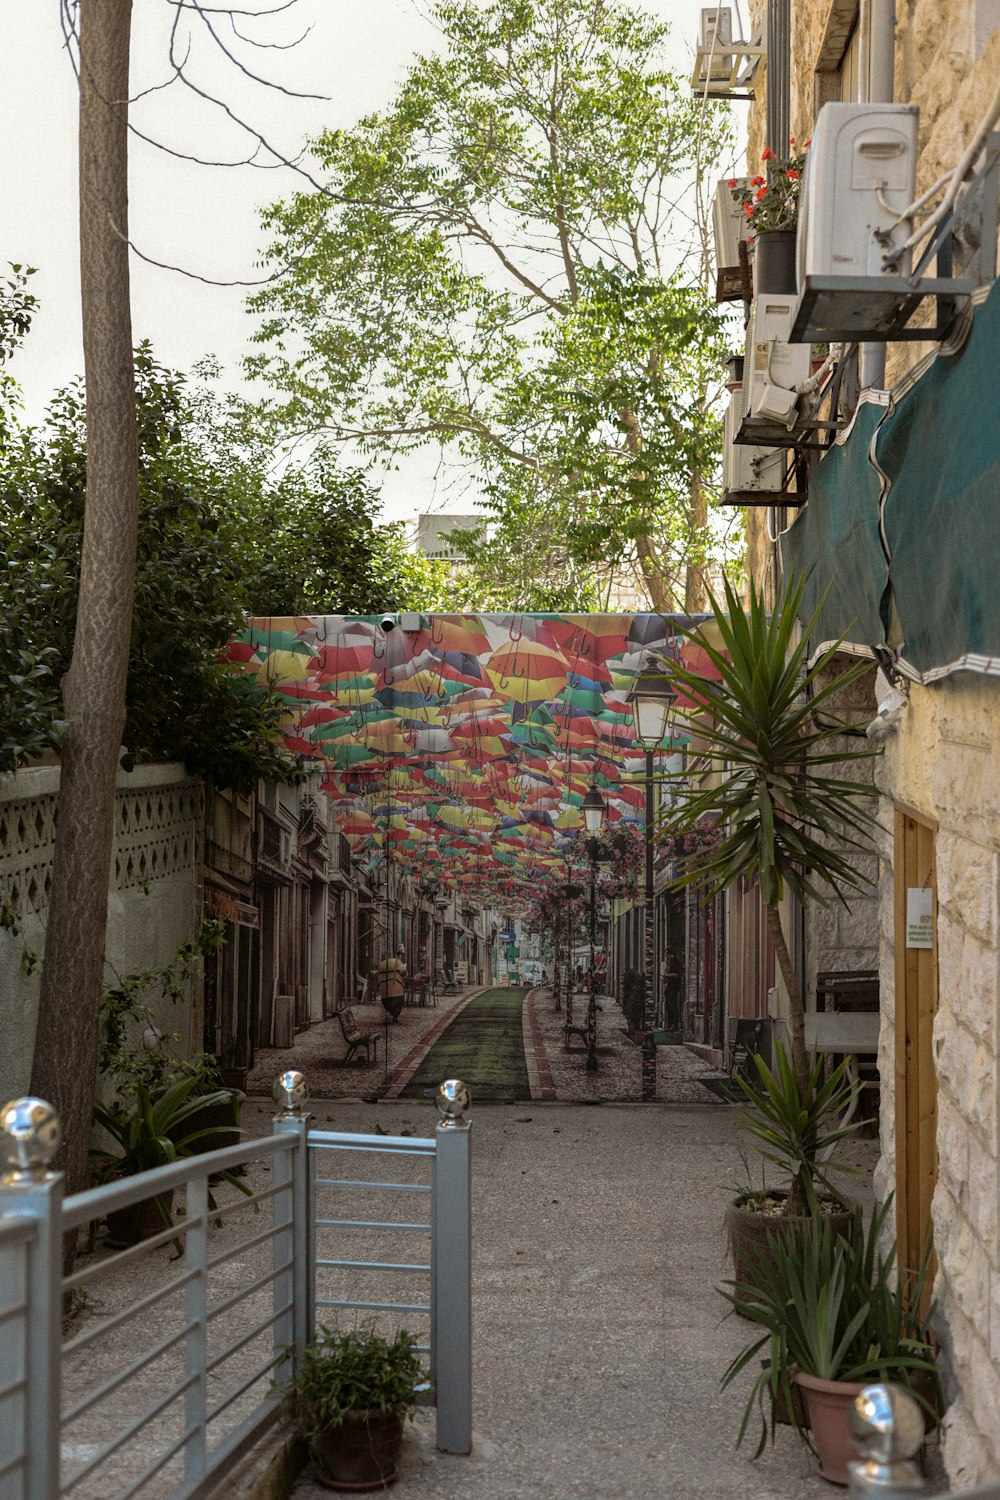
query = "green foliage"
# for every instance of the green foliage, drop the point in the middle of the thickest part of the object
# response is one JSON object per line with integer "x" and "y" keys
{"x": 147, "y": 1131}
{"x": 766, "y": 749}
{"x": 797, "y": 1128}
{"x": 495, "y": 264}
{"x": 352, "y": 1370}
{"x": 219, "y": 537}
{"x": 836, "y": 1308}
{"x": 126, "y": 1011}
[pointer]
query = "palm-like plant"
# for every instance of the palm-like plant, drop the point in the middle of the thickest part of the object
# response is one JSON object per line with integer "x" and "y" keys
{"x": 785, "y": 821}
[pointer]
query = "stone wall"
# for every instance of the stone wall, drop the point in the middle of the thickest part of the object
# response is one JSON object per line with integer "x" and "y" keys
{"x": 941, "y": 762}
{"x": 154, "y": 896}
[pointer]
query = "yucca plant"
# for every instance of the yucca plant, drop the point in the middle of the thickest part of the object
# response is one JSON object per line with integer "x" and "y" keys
{"x": 766, "y": 732}
{"x": 836, "y": 1308}
{"x": 799, "y": 1130}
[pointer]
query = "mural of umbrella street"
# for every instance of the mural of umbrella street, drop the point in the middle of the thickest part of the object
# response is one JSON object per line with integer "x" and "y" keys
{"x": 464, "y": 748}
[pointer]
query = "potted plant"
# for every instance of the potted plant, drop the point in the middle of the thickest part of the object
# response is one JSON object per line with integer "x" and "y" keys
{"x": 349, "y": 1397}
{"x": 835, "y": 1314}
{"x": 152, "y": 1130}
{"x": 771, "y": 205}
{"x": 799, "y": 1131}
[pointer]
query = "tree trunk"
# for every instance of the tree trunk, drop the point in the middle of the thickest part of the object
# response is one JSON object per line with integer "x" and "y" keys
{"x": 65, "y": 1059}
{"x": 796, "y": 1025}
{"x": 695, "y": 593}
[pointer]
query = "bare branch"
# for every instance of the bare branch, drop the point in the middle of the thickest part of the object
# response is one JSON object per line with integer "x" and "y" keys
{"x": 164, "y": 265}
{"x": 267, "y": 83}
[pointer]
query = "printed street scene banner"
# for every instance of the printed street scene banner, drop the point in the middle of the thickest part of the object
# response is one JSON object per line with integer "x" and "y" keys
{"x": 468, "y": 745}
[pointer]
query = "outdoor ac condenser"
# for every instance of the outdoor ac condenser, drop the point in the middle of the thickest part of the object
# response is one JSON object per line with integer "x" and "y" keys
{"x": 773, "y": 367}
{"x": 747, "y": 470}
{"x": 729, "y": 227}
{"x": 717, "y": 37}
{"x": 860, "y": 173}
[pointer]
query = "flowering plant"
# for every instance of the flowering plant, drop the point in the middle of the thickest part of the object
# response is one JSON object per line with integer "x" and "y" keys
{"x": 772, "y": 202}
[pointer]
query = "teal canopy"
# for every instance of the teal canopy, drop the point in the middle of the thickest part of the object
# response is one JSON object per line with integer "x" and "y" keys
{"x": 903, "y": 518}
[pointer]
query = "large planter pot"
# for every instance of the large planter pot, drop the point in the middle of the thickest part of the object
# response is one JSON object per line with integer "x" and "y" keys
{"x": 774, "y": 263}
{"x": 362, "y": 1453}
{"x": 748, "y": 1228}
{"x": 829, "y": 1403}
{"x": 140, "y": 1221}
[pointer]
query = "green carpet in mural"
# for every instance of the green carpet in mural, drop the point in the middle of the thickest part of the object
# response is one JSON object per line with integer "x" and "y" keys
{"x": 482, "y": 1046}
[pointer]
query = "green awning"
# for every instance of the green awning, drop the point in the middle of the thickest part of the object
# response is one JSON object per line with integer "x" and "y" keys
{"x": 834, "y": 544}
{"x": 903, "y": 518}
{"x": 941, "y": 452}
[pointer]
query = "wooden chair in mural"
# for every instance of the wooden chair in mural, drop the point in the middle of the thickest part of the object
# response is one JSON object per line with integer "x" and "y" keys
{"x": 356, "y": 1038}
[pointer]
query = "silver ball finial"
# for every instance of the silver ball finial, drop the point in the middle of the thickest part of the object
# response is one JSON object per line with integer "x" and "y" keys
{"x": 886, "y": 1423}
{"x": 31, "y": 1136}
{"x": 291, "y": 1092}
{"x": 452, "y": 1099}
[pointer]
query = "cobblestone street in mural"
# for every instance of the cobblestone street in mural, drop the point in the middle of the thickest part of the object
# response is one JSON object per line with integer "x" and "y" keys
{"x": 475, "y": 928}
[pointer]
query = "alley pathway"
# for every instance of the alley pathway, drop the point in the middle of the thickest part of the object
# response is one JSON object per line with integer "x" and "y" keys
{"x": 484, "y": 1046}
{"x": 599, "y": 1337}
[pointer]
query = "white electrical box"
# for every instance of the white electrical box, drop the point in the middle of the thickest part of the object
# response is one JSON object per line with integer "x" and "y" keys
{"x": 860, "y": 174}
{"x": 729, "y": 226}
{"x": 716, "y": 27}
{"x": 773, "y": 367}
{"x": 747, "y": 470}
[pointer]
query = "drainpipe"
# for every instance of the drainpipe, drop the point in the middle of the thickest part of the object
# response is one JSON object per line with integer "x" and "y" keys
{"x": 778, "y": 75}
{"x": 876, "y": 62}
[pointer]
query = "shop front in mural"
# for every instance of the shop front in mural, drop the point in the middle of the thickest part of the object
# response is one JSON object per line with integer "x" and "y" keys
{"x": 454, "y": 756}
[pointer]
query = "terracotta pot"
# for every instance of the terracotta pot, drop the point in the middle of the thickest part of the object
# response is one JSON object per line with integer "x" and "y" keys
{"x": 829, "y": 1403}
{"x": 140, "y": 1221}
{"x": 363, "y": 1453}
{"x": 747, "y": 1231}
{"x": 774, "y": 264}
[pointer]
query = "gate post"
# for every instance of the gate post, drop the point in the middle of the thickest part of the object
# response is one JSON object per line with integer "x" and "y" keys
{"x": 451, "y": 1261}
{"x": 887, "y": 1426}
{"x": 31, "y": 1136}
{"x": 293, "y": 1215}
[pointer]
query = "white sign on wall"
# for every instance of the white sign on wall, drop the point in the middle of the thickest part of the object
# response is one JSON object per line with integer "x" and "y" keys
{"x": 920, "y": 918}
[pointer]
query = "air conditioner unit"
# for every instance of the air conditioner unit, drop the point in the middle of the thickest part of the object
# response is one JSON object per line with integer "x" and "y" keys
{"x": 860, "y": 174}
{"x": 773, "y": 366}
{"x": 715, "y": 60}
{"x": 729, "y": 226}
{"x": 747, "y": 471}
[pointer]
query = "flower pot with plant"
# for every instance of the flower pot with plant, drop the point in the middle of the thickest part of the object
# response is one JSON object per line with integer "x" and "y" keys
{"x": 349, "y": 1397}
{"x": 835, "y": 1313}
{"x": 771, "y": 205}
{"x": 799, "y": 1131}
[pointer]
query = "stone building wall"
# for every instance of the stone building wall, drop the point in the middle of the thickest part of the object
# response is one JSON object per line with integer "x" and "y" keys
{"x": 154, "y": 898}
{"x": 941, "y": 763}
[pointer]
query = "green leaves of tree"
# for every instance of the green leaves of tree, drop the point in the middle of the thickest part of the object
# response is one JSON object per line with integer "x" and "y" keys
{"x": 495, "y": 267}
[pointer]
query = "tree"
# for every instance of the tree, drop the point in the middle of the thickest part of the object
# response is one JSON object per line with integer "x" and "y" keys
{"x": 495, "y": 265}
{"x": 218, "y": 537}
{"x": 65, "y": 1056}
{"x": 764, "y": 739}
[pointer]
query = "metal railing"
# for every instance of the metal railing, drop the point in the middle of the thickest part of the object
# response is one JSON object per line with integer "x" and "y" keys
{"x": 167, "y": 1378}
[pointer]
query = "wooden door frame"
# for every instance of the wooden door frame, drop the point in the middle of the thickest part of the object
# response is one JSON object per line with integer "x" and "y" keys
{"x": 916, "y": 997}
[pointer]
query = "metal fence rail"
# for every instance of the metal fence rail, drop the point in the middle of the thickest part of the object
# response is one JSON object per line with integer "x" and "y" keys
{"x": 161, "y": 1393}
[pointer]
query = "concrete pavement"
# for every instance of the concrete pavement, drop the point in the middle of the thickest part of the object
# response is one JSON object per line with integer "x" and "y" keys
{"x": 599, "y": 1339}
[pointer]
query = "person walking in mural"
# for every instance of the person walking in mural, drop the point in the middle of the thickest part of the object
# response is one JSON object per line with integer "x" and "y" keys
{"x": 392, "y": 984}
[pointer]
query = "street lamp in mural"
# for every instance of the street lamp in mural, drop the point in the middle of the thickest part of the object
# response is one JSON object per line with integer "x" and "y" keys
{"x": 594, "y": 809}
{"x": 652, "y": 697}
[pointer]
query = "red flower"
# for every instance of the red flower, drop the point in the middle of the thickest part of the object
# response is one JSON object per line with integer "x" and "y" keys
{"x": 733, "y": 181}
{"x": 756, "y": 181}
{"x": 748, "y": 207}
{"x": 766, "y": 154}
{"x": 792, "y": 176}
{"x": 760, "y": 193}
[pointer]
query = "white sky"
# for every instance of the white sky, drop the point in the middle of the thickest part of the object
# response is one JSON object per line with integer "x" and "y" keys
{"x": 201, "y": 218}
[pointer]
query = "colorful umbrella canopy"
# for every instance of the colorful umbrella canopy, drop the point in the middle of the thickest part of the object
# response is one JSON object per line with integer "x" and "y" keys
{"x": 467, "y": 745}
